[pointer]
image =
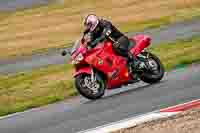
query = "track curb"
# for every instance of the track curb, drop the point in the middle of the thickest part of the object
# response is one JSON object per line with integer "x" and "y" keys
{"x": 134, "y": 121}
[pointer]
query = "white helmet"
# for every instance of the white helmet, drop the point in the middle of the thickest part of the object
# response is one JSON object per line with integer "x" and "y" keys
{"x": 91, "y": 22}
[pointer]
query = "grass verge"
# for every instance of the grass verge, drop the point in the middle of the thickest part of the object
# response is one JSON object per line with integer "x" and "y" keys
{"x": 36, "y": 88}
{"x": 39, "y": 87}
{"x": 179, "y": 53}
{"x": 26, "y": 31}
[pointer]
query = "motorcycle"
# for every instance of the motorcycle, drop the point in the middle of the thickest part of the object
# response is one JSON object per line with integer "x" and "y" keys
{"x": 100, "y": 68}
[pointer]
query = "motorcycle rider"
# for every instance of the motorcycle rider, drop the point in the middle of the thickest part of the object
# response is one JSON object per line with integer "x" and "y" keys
{"x": 98, "y": 30}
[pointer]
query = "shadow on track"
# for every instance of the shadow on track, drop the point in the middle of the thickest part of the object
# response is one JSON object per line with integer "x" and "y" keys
{"x": 123, "y": 92}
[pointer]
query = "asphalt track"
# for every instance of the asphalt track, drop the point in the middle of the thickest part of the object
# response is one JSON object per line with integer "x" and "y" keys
{"x": 80, "y": 114}
{"x": 170, "y": 33}
{"x": 11, "y": 5}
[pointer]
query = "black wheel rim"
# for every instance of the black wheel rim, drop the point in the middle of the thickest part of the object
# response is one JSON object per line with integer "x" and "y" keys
{"x": 151, "y": 71}
{"x": 88, "y": 90}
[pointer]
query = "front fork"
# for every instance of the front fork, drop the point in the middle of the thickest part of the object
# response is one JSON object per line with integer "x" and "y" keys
{"x": 93, "y": 76}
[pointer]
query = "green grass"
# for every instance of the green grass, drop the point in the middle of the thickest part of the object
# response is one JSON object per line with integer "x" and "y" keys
{"x": 38, "y": 29}
{"x": 39, "y": 87}
{"x": 181, "y": 52}
{"x": 179, "y": 16}
{"x": 32, "y": 89}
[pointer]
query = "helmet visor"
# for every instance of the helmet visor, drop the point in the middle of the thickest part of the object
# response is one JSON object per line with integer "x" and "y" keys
{"x": 87, "y": 26}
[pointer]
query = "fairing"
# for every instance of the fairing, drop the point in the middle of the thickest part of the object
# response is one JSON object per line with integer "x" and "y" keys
{"x": 86, "y": 70}
{"x": 142, "y": 41}
{"x": 104, "y": 59}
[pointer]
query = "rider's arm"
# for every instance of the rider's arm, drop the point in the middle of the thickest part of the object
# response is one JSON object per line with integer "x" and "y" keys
{"x": 90, "y": 39}
{"x": 107, "y": 28}
{"x": 106, "y": 32}
{"x": 93, "y": 43}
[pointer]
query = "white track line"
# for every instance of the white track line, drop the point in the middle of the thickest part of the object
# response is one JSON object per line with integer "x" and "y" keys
{"x": 19, "y": 113}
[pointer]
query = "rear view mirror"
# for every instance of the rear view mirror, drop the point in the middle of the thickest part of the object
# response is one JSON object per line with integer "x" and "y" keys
{"x": 64, "y": 53}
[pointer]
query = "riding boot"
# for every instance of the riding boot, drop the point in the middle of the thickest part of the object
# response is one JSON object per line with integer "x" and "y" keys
{"x": 135, "y": 63}
{"x": 131, "y": 68}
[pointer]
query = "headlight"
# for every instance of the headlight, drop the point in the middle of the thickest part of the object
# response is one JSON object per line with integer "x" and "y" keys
{"x": 77, "y": 59}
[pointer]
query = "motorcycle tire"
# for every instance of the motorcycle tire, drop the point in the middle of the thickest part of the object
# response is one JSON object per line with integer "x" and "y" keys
{"x": 85, "y": 91}
{"x": 149, "y": 77}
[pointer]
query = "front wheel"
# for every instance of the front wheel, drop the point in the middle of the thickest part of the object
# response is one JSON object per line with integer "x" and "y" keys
{"x": 91, "y": 90}
{"x": 155, "y": 70}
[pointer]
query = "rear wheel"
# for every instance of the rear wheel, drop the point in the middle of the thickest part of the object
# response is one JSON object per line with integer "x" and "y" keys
{"x": 87, "y": 88}
{"x": 155, "y": 69}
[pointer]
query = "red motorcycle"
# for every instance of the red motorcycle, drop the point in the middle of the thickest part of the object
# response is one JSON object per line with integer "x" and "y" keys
{"x": 101, "y": 68}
